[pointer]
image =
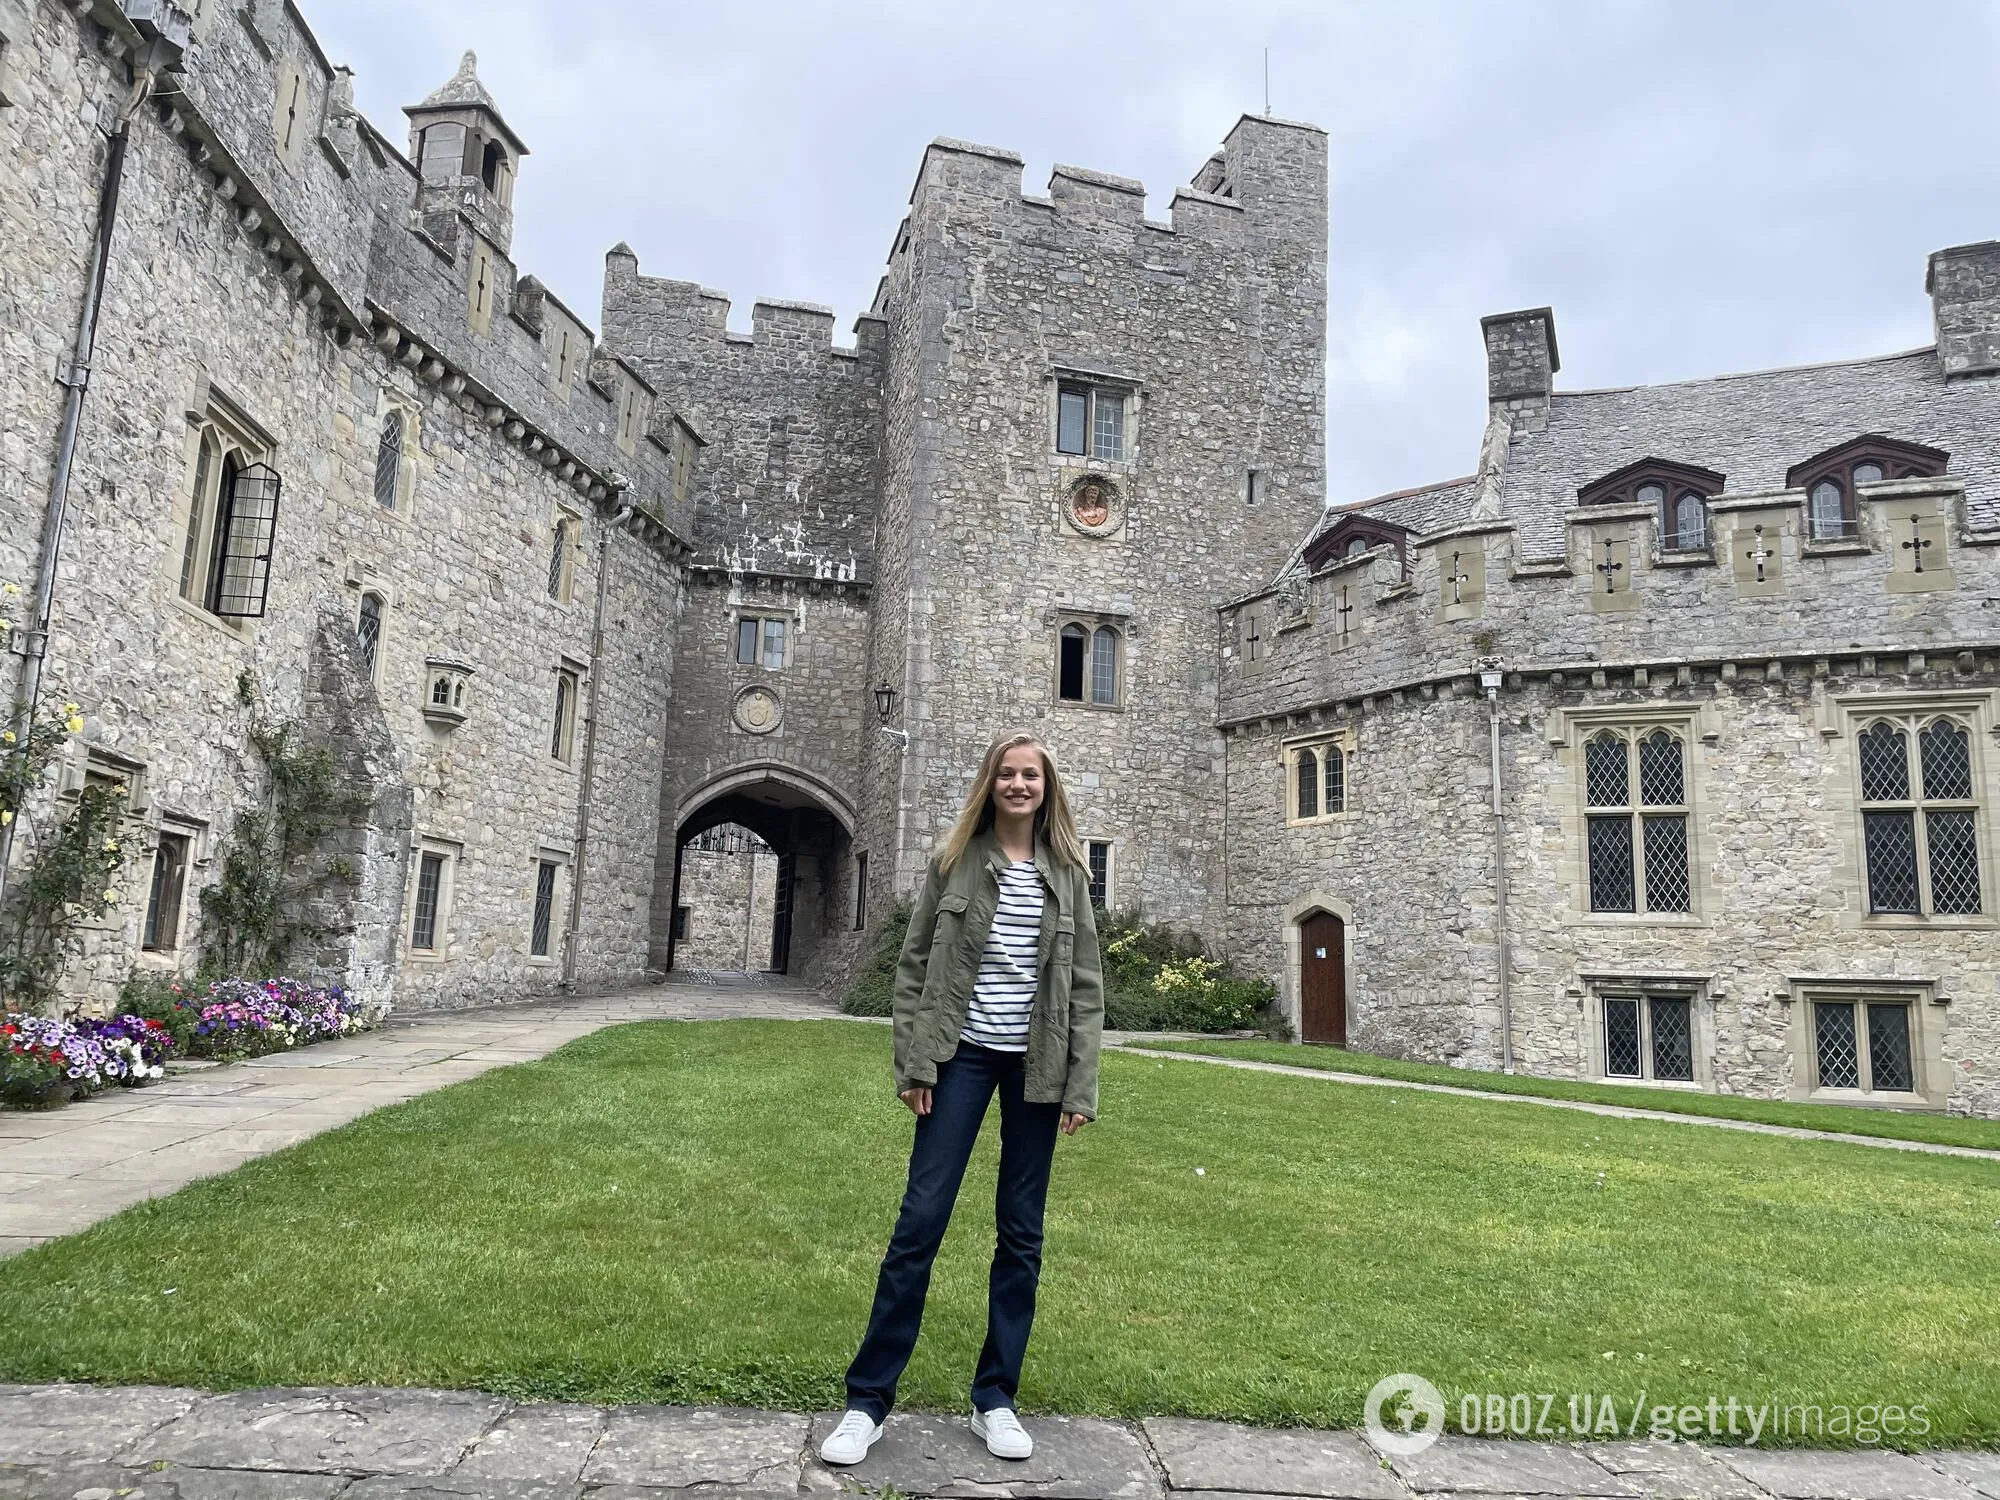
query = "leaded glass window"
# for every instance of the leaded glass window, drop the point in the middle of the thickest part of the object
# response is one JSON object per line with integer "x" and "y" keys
{"x": 1829, "y": 510}
{"x": 430, "y": 889}
{"x": 1919, "y": 835}
{"x": 1104, "y": 665}
{"x": 1336, "y": 779}
{"x": 1621, "y": 1038}
{"x": 545, "y": 905}
{"x": 1090, "y": 421}
{"x": 1690, "y": 522}
{"x": 368, "y": 629}
{"x": 1673, "y": 1037}
{"x": 559, "y": 561}
{"x": 1307, "y": 778}
{"x": 1637, "y": 848}
{"x": 389, "y": 461}
{"x": 1864, "y": 1044}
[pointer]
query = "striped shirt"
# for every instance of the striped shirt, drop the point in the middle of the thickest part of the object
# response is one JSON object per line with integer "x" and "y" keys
{"x": 1003, "y": 994}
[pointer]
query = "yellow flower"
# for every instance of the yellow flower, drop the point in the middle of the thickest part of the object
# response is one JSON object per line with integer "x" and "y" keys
{"x": 76, "y": 724}
{"x": 110, "y": 898}
{"x": 6, "y": 736}
{"x": 71, "y": 708}
{"x": 10, "y": 589}
{"x": 6, "y": 816}
{"x": 111, "y": 846}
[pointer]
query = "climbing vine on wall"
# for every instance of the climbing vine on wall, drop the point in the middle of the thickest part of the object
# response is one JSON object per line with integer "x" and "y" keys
{"x": 68, "y": 881}
{"x": 259, "y": 911}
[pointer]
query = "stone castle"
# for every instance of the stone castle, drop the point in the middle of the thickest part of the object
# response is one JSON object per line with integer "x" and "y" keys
{"x": 1661, "y": 747}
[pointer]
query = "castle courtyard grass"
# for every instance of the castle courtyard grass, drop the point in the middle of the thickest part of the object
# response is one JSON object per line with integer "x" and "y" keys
{"x": 1839, "y": 1119}
{"x": 686, "y": 1212}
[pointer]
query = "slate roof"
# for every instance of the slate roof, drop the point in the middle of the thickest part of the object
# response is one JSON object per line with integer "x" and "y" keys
{"x": 1752, "y": 428}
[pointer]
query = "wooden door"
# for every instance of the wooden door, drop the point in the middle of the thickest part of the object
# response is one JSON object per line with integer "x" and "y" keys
{"x": 1323, "y": 979}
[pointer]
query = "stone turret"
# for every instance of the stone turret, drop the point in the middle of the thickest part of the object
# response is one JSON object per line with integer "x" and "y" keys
{"x": 466, "y": 159}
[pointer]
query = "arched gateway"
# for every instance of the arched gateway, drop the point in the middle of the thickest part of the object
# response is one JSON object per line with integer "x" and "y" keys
{"x": 806, "y": 822}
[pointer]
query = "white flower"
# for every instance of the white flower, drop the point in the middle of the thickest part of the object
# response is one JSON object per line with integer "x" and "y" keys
{"x": 1201, "y": 1171}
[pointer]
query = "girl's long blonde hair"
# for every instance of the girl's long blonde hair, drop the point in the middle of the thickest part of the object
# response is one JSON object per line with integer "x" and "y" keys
{"x": 1053, "y": 823}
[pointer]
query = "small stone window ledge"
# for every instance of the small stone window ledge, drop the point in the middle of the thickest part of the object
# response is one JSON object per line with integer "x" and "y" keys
{"x": 1685, "y": 557}
{"x": 1835, "y": 547}
{"x": 447, "y": 691}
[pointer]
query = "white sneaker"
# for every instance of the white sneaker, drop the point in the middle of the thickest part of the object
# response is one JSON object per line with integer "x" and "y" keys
{"x": 850, "y": 1441}
{"x": 1005, "y": 1437}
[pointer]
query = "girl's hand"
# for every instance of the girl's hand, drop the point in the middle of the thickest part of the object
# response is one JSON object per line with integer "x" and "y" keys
{"x": 919, "y": 1100}
{"x": 1071, "y": 1124}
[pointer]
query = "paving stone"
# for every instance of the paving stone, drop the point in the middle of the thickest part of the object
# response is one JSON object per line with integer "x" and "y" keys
{"x": 359, "y": 1431}
{"x": 1221, "y": 1456}
{"x": 535, "y": 1442}
{"x": 675, "y": 1446}
{"x": 81, "y": 1481}
{"x": 85, "y": 1421}
{"x": 1076, "y": 1458}
{"x": 1673, "y": 1471}
{"x": 422, "y": 1487}
{"x": 1979, "y": 1470}
{"x": 1496, "y": 1466}
{"x": 1862, "y": 1474}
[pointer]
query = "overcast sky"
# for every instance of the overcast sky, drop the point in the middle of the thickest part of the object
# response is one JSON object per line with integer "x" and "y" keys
{"x": 1696, "y": 187}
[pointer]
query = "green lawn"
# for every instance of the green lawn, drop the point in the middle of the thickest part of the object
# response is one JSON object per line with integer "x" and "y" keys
{"x": 683, "y": 1212}
{"x": 1946, "y": 1130}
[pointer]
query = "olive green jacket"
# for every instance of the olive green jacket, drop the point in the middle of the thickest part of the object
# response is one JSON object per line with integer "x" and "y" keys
{"x": 940, "y": 960}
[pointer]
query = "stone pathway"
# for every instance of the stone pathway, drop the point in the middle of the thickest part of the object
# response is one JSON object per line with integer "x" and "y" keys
{"x": 151, "y": 1443}
{"x": 62, "y": 1170}
{"x": 1135, "y": 1043}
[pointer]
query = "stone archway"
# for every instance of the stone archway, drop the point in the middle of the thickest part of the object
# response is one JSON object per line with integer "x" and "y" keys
{"x": 808, "y": 824}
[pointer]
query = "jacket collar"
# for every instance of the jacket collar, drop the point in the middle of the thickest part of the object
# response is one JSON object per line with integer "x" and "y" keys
{"x": 987, "y": 845}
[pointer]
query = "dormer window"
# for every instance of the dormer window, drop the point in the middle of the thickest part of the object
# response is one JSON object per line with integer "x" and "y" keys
{"x": 1677, "y": 494}
{"x": 1356, "y": 536}
{"x": 1830, "y": 479}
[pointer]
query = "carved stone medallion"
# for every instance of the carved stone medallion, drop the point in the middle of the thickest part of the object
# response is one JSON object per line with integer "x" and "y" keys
{"x": 757, "y": 710}
{"x": 1094, "y": 505}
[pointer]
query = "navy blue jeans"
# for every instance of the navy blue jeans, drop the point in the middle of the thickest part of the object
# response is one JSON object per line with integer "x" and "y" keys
{"x": 966, "y": 1082}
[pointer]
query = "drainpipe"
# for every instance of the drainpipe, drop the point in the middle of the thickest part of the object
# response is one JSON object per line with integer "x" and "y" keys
{"x": 74, "y": 374}
{"x": 1489, "y": 679}
{"x": 588, "y": 771}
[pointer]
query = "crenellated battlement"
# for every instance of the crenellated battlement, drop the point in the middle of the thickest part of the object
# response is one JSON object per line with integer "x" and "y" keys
{"x": 1621, "y": 597}
{"x": 1271, "y": 169}
{"x": 659, "y": 318}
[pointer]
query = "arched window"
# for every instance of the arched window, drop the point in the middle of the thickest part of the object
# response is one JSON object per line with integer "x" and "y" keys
{"x": 1069, "y": 673}
{"x": 490, "y": 163}
{"x": 1830, "y": 478}
{"x": 1690, "y": 522}
{"x": 1920, "y": 835}
{"x": 389, "y": 461}
{"x": 1676, "y": 493}
{"x": 1356, "y": 545}
{"x": 1336, "y": 779}
{"x": 1832, "y": 516}
{"x": 368, "y": 629}
{"x": 1307, "y": 777}
{"x": 1104, "y": 665}
{"x": 1637, "y": 846}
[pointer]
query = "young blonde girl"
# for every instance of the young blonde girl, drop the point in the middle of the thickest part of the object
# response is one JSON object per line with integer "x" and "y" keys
{"x": 998, "y": 990}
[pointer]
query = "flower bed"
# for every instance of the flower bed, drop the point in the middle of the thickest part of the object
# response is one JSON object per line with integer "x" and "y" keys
{"x": 48, "y": 1062}
{"x": 248, "y": 1018}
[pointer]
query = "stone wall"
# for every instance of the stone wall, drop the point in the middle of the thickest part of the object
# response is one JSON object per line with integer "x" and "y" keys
{"x": 1779, "y": 903}
{"x": 1213, "y": 327}
{"x": 277, "y": 291}
{"x": 728, "y": 897}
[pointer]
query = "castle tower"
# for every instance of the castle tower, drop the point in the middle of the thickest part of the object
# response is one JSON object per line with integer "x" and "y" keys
{"x": 466, "y": 159}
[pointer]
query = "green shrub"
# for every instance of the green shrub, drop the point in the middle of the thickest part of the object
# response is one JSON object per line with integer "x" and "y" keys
{"x": 165, "y": 998}
{"x": 1156, "y": 978}
{"x": 873, "y": 991}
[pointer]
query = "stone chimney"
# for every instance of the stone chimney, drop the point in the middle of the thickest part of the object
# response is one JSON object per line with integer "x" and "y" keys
{"x": 1964, "y": 283}
{"x": 1521, "y": 362}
